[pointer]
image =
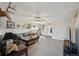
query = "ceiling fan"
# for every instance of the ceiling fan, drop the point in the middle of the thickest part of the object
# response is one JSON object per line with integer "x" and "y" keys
{"x": 38, "y": 16}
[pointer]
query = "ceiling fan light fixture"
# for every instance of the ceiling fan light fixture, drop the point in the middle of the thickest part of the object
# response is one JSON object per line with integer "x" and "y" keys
{"x": 38, "y": 18}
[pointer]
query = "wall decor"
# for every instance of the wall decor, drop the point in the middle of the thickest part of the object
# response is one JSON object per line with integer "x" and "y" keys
{"x": 18, "y": 25}
{"x": 10, "y": 24}
{"x": 24, "y": 26}
{"x": 28, "y": 26}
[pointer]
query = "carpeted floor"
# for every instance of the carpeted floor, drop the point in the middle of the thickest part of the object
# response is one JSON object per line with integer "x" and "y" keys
{"x": 46, "y": 47}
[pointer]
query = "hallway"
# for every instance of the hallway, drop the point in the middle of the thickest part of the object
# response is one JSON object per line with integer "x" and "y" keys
{"x": 46, "y": 47}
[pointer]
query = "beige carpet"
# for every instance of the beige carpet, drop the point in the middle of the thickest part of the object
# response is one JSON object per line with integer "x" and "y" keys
{"x": 46, "y": 47}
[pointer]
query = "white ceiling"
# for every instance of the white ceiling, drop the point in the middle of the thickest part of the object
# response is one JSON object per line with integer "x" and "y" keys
{"x": 47, "y": 10}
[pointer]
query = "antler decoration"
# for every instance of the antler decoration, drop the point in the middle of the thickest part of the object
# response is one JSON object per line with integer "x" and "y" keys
{"x": 6, "y": 12}
{"x": 9, "y": 7}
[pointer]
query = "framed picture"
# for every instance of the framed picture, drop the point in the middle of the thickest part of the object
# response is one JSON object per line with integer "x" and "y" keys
{"x": 10, "y": 24}
{"x": 18, "y": 25}
{"x": 28, "y": 26}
